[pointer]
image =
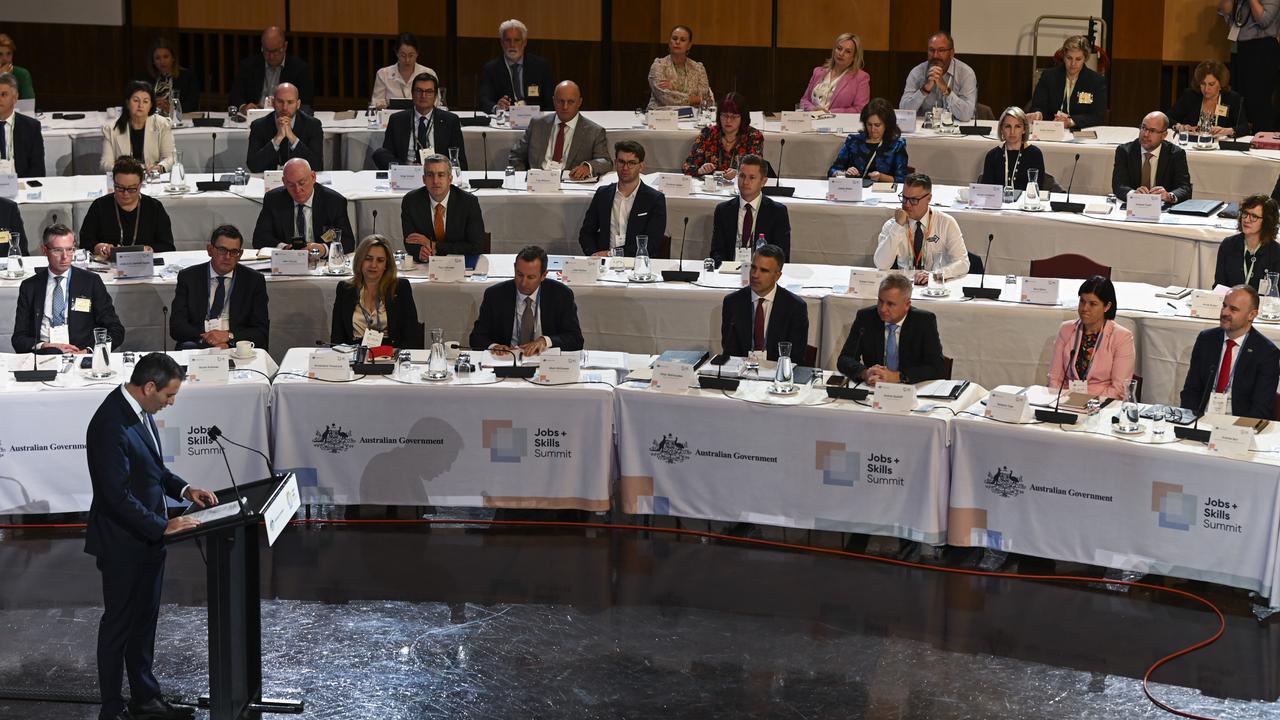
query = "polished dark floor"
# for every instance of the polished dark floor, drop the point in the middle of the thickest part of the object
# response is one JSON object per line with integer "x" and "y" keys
{"x": 406, "y": 622}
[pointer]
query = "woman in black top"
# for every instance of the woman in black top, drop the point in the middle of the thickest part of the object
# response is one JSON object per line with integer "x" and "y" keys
{"x": 1071, "y": 93}
{"x": 171, "y": 79}
{"x": 1007, "y": 165}
{"x": 1214, "y": 104}
{"x": 126, "y": 216}
{"x": 374, "y": 299}
{"x": 1250, "y": 253}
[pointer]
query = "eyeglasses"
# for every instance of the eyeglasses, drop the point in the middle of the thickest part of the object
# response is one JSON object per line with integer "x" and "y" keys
{"x": 1151, "y": 130}
{"x": 129, "y": 190}
{"x": 730, "y": 116}
{"x": 1250, "y": 216}
{"x": 60, "y": 251}
{"x": 228, "y": 252}
{"x": 270, "y": 51}
{"x": 912, "y": 201}
{"x": 626, "y": 163}
{"x": 419, "y": 91}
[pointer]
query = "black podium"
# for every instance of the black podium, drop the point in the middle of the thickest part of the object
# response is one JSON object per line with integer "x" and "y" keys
{"x": 235, "y": 615}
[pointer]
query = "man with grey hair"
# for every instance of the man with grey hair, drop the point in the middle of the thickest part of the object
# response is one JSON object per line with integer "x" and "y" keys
{"x": 1152, "y": 165}
{"x": 438, "y": 218}
{"x": 517, "y": 77}
{"x": 892, "y": 342}
{"x": 59, "y": 306}
{"x": 257, "y": 76}
{"x": 21, "y": 143}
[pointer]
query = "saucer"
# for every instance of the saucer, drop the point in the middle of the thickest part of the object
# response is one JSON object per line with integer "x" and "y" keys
{"x": 249, "y": 356}
{"x": 775, "y": 390}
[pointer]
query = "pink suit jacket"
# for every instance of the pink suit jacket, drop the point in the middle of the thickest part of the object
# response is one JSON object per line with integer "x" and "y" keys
{"x": 852, "y": 91}
{"x": 1113, "y": 359}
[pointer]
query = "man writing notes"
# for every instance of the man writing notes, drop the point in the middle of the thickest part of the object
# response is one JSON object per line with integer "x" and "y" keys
{"x": 287, "y": 132}
{"x": 941, "y": 81}
{"x": 761, "y": 315}
{"x": 620, "y": 211}
{"x": 921, "y": 238}
{"x": 892, "y": 342}
{"x": 739, "y": 223}
{"x": 421, "y": 130}
{"x": 438, "y": 218}
{"x": 301, "y": 213}
{"x": 564, "y": 140}
{"x": 1234, "y": 368}
{"x": 221, "y": 302}
{"x": 517, "y": 77}
{"x": 59, "y": 306}
{"x": 1152, "y": 165}
{"x": 528, "y": 314}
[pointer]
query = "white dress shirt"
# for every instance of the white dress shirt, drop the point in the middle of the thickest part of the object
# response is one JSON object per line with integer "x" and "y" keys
{"x": 568, "y": 141}
{"x": 7, "y": 127}
{"x": 943, "y": 237}
{"x": 755, "y": 221}
{"x": 47, "y": 320}
{"x": 621, "y": 212}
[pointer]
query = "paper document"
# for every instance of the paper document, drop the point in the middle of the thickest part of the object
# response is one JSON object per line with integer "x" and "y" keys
{"x": 217, "y": 512}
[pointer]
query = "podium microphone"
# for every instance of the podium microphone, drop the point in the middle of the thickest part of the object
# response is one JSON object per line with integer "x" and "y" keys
{"x": 1068, "y": 206}
{"x": 680, "y": 274}
{"x": 982, "y": 291}
{"x": 777, "y": 188}
{"x": 486, "y": 183}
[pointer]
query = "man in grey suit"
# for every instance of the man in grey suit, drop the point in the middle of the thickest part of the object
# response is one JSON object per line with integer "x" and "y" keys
{"x": 575, "y": 142}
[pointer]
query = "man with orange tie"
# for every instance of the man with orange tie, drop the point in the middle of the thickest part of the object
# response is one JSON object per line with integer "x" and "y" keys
{"x": 564, "y": 139}
{"x": 438, "y": 218}
{"x": 1234, "y": 368}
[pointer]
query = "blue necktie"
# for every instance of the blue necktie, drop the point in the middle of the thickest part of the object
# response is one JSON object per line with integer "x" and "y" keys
{"x": 891, "y": 347}
{"x": 59, "y": 304}
{"x": 219, "y": 299}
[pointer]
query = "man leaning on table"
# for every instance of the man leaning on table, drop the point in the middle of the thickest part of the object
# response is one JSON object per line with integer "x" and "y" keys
{"x": 625, "y": 209}
{"x": 564, "y": 139}
{"x": 286, "y": 132}
{"x": 941, "y": 81}
{"x": 439, "y": 218}
{"x": 1152, "y": 165}
{"x": 893, "y": 341}
{"x": 21, "y": 143}
{"x": 421, "y": 130}
{"x": 920, "y": 237}
{"x": 59, "y": 306}
{"x": 1234, "y": 368}
{"x": 529, "y": 313}
{"x": 739, "y": 222}
{"x": 302, "y": 211}
{"x": 221, "y": 302}
{"x": 761, "y": 315}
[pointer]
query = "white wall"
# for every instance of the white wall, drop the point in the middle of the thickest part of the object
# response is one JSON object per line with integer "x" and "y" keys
{"x": 1003, "y": 27}
{"x": 67, "y": 12}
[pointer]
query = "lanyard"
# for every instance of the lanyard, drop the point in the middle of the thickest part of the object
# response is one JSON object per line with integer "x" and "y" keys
{"x": 867, "y": 168}
{"x": 1247, "y": 264}
{"x": 431, "y": 121}
{"x": 1010, "y": 178}
{"x": 137, "y": 220}
{"x": 1080, "y": 344}
{"x": 1066, "y": 95}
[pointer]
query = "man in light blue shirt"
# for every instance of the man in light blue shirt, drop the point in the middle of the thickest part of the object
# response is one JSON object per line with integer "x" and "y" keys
{"x": 942, "y": 81}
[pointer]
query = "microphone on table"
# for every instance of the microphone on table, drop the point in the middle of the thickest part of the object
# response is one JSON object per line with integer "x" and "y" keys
{"x": 375, "y": 220}
{"x": 851, "y": 393}
{"x": 982, "y": 291}
{"x": 1054, "y": 416}
{"x": 486, "y": 183}
{"x": 680, "y": 274}
{"x": 1068, "y": 206}
{"x": 778, "y": 189}
{"x": 1194, "y": 433}
{"x": 164, "y": 331}
{"x": 213, "y": 183}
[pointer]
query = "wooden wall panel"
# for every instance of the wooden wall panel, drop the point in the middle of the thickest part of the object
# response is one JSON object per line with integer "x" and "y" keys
{"x": 1138, "y": 30}
{"x": 722, "y": 22}
{"x": 639, "y": 22}
{"x": 816, "y": 23}
{"x": 910, "y": 24}
{"x": 559, "y": 20}
{"x": 424, "y": 18}
{"x": 155, "y": 13}
{"x": 1193, "y": 32}
{"x": 342, "y": 16}
{"x": 215, "y": 15}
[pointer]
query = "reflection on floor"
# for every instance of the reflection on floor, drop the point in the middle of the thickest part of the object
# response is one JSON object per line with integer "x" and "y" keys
{"x": 410, "y": 622}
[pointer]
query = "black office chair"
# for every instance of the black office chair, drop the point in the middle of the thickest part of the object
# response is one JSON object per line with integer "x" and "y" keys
{"x": 975, "y": 264}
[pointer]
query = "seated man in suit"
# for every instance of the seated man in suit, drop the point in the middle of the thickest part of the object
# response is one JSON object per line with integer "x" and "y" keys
{"x": 21, "y": 143}
{"x": 565, "y": 139}
{"x": 438, "y": 218}
{"x": 739, "y": 223}
{"x": 517, "y": 77}
{"x": 422, "y": 130}
{"x": 760, "y": 316}
{"x": 218, "y": 303}
{"x": 258, "y": 77}
{"x": 11, "y": 222}
{"x": 1152, "y": 165}
{"x": 285, "y": 133}
{"x": 299, "y": 214}
{"x": 1234, "y": 368}
{"x": 528, "y": 314}
{"x": 920, "y": 237}
{"x": 892, "y": 342}
{"x": 620, "y": 211}
{"x": 58, "y": 306}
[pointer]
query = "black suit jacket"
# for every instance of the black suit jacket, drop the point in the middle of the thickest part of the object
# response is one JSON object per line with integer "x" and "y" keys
{"x": 263, "y": 156}
{"x": 1053, "y": 84}
{"x": 1187, "y": 110}
{"x": 403, "y": 329}
{"x": 788, "y": 322}
{"x": 1172, "y": 173}
{"x": 276, "y": 219}
{"x": 919, "y": 347}
{"x": 28, "y": 147}
{"x": 463, "y": 222}
{"x": 187, "y": 84}
{"x": 1230, "y": 265}
{"x": 127, "y": 517}
{"x": 498, "y": 316}
{"x": 495, "y": 82}
{"x": 772, "y": 220}
{"x": 648, "y": 217}
{"x": 11, "y": 220}
{"x": 247, "y": 85}
{"x": 247, "y": 315}
{"x": 80, "y": 324}
{"x": 446, "y": 132}
{"x": 1253, "y": 386}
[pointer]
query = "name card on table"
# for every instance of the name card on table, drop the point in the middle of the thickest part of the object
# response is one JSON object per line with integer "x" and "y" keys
{"x": 450, "y": 268}
{"x": 328, "y": 365}
{"x": 865, "y": 283}
{"x": 906, "y": 120}
{"x": 1040, "y": 291}
{"x": 543, "y": 181}
{"x": 521, "y": 115}
{"x": 1142, "y": 207}
{"x": 272, "y": 179}
{"x": 405, "y": 177}
{"x": 1205, "y": 304}
{"x": 795, "y": 121}
{"x": 1049, "y": 130}
{"x": 207, "y": 368}
{"x": 135, "y": 264}
{"x": 1005, "y": 406}
{"x": 581, "y": 271}
{"x": 563, "y": 368}
{"x": 985, "y": 197}
{"x": 894, "y": 397}
{"x": 670, "y": 376}
{"x": 1231, "y": 441}
{"x": 663, "y": 120}
{"x": 673, "y": 184}
{"x": 844, "y": 189}
{"x": 8, "y": 185}
{"x": 289, "y": 262}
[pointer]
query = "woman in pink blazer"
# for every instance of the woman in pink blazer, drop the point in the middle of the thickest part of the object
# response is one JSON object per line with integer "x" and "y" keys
{"x": 839, "y": 85}
{"x": 1094, "y": 346}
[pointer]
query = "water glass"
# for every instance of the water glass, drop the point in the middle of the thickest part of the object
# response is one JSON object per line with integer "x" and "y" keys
{"x": 400, "y": 255}
{"x": 337, "y": 257}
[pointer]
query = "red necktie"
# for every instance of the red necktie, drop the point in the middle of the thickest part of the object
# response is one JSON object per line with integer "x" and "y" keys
{"x": 757, "y": 342}
{"x": 1224, "y": 372}
{"x": 558, "y": 154}
{"x": 746, "y": 228}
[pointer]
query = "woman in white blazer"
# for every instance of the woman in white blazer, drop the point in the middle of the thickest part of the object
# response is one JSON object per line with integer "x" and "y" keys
{"x": 138, "y": 133}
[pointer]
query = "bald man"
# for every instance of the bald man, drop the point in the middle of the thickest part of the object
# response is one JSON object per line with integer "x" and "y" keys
{"x": 576, "y": 143}
{"x": 299, "y": 214}
{"x": 1152, "y": 165}
{"x": 286, "y": 133}
{"x": 258, "y": 75}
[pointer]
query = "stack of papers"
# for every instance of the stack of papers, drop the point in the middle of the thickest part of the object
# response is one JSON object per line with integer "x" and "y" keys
{"x": 732, "y": 368}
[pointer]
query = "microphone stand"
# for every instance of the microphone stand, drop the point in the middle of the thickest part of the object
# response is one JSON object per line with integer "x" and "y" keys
{"x": 1054, "y": 415}
{"x": 777, "y": 188}
{"x": 680, "y": 274}
{"x": 1194, "y": 433}
{"x": 982, "y": 291}
{"x": 1068, "y": 206}
{"x": 213, "y": 184}
{"x": 486, "y": 183}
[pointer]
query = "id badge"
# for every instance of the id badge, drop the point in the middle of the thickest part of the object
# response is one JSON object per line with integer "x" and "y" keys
{"x": 6, "y": 167}
{"x": 372, "y": 338}
{"x": 59, "y": 335}
{"x": 81, "y": 304}
{"x": 532, "y": 91}
{"x": 424, "y": 153}
{"x": 214, "y": 324}
{"x": 1219, "y": 404}
{"x": 1079, "y": 386}
{"x": 757, "y": 356}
